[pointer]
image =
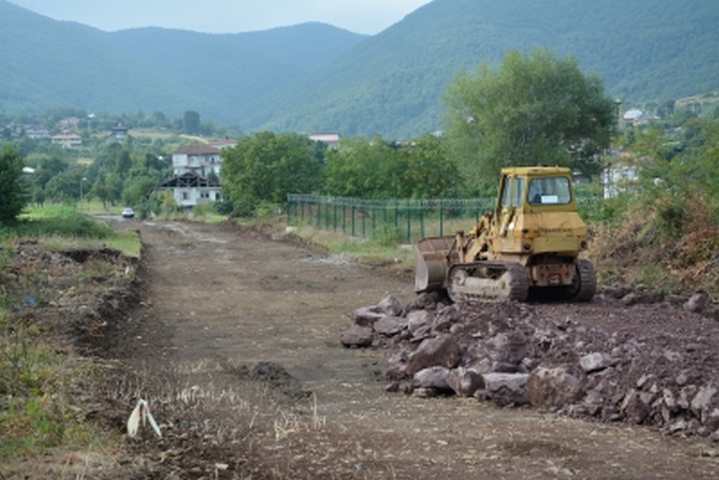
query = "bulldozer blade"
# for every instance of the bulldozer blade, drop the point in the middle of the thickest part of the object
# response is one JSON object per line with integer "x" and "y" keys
{"x": 432, "y": 263}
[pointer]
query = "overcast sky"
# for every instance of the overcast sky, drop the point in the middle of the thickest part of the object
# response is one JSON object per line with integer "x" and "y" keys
{"x": 363, "y": 16}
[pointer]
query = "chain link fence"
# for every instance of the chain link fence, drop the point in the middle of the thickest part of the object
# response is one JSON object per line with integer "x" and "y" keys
{"x": 397, "y": 220}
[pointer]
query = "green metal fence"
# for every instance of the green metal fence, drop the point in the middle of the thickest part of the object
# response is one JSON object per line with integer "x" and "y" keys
{"x": 395, "y": 220}
{"x": 403, "y": 220}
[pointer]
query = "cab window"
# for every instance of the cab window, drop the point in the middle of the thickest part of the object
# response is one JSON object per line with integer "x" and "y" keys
{"x": 518, "y": 194}
{"x": 506, "y": 193}
{"x": 550, "y": 191}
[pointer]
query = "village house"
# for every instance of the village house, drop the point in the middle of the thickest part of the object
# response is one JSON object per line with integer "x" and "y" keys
{"x": 190, "y": 189}
{"x": 201, "y": 159}
{"x": 37, "y": 133}
{"x": 119, "y": 132}
{"x": 332, "y": 140}
{"x": 67, "y": 140}
{"x": 197, "y": 170}
{"x": 69, "y": 123}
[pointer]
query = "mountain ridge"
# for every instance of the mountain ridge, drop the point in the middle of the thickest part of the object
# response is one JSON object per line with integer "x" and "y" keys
{"x": 314, "y": 76}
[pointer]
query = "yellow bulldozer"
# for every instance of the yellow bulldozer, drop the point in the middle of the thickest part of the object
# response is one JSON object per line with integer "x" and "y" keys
{"x": 530, "y": 243}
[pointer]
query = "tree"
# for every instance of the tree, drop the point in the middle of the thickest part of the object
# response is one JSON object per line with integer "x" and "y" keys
{"x": 267, "y": 167}
{"x": 13, "y": 189}
{"x": 365, "y": 169}
{"x": 191, "y": 122}
{"x": 429, "y": 170}
{"x": 532, "y": 110}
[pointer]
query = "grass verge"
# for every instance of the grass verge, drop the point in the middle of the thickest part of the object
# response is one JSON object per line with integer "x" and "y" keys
{"x": 62, "y": 227}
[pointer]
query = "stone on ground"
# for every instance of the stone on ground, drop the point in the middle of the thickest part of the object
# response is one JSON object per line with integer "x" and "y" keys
{"x": 357, "y": 336}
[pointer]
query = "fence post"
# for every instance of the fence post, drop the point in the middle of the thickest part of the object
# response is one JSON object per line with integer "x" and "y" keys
{"x": 373, "y": 214}
{"x": 396, "y": 215}
{"x": 344, "y": 218}
{"x": 289, "y": 213}
{"x": 319, "y": 215}
{"x": 302, "y": 211}
{"x": 364, "y": 224}
{"x": 335, "y": 216}
{"x": 441, "y": 218}
{"x": 354, "y": 209}
{"x": 421, "y": 221}
{"x": 409, "y": 223}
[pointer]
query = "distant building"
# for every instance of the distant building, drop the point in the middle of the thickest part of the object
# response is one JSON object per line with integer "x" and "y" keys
{"x": 332, "y": 140}
{"x": 622, "y": 175}
{"x": 69, "y": 123}
{"x": 201, "y": 159}
{"x": 190, "y": 189}
{"x": 633, "y": 117}
{"x": 67, "y": 140}
{"x": 119, "y": 132}
{"x": 37, "y": 133}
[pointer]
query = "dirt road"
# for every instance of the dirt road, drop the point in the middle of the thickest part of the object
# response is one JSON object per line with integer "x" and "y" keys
{"x": 218, "y": 295}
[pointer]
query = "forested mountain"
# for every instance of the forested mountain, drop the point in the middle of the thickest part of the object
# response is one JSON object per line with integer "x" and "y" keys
{"x": 392, "y": 83}
{"x": 317, "y": 77}
{"x": 46, "y": 63}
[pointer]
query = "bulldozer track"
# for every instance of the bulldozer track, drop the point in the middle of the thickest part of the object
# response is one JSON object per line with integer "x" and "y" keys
{"x": 518, "y": 288}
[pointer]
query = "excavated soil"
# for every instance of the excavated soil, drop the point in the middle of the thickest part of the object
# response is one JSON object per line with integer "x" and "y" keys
{"x": 221, "y": 301}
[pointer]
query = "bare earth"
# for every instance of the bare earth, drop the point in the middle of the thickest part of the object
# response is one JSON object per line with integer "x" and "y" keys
{"x": 218, "y": 295}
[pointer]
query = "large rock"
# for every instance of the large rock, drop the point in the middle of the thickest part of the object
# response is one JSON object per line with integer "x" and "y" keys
{"x": 465, "y": 383}
{"x": 367, "y": 316}
{"x": 418, "y": 320}
{"x": 390, "y": 326}
{"x": 703, "y": 400}
{"x": 446, "y": 318}
{"x": 434, "y": 352}
{"x": 508, "y": 349}
{"x": 697, "y": 303}
{"x": 595, "y": 362}
{"x": 357, "y": 336}
{"x": 549, "y": 388}
{"x": 635, "y": 408}
{"x": 390, "y": 306}
{"x": 506, "y": 389}
{"x": 435, "y": 377}
{"x": 397, "y": 366}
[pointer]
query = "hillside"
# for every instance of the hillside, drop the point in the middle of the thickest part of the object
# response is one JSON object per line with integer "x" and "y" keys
{"x": 393, "y": 82}
{"x": 48, "y": 63}
{"x": 317, "y": 77}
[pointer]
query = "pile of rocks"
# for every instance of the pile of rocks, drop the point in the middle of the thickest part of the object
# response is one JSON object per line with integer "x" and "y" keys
{"x": 518, "y": 354}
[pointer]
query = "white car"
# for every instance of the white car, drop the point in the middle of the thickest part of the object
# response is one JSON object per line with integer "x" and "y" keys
{"x": 128, "y": 213}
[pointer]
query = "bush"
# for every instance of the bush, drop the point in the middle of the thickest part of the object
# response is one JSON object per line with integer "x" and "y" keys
{"x": 13, "y": 189}
{"x": 59, "y": 220}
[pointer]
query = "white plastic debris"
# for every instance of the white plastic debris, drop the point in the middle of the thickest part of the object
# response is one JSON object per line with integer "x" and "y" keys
{"x": 140, "y": 417}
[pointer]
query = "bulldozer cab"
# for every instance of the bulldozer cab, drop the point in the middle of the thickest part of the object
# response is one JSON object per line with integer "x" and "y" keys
{"x": 534, "y": 188}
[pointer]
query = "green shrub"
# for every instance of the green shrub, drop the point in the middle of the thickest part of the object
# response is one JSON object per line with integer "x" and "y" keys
{"x": 13, "y": 189}
{"x": 59, "y": 220}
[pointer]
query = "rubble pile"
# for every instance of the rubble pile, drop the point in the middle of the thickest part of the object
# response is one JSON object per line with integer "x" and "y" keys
{"x": 650, "y": 364}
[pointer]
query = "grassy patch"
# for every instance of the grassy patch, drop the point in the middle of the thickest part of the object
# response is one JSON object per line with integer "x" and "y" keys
{"x": 380, "y": 250}
{"x": 127, "y": 242}
{"x": 58, "y": 220}
{"x": 62, "y": 227}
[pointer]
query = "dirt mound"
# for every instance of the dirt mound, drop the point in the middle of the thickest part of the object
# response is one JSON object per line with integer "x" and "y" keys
{"x": 651, "y": 364}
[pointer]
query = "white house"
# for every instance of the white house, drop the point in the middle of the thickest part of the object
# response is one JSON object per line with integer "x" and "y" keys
{"x": 200, "y": 159}
{"x": 190, "y": 189}
{"x": 67, "y": 140}
{"x": 332, "y": 140}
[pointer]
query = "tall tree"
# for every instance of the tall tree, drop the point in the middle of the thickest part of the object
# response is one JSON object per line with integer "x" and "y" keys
{"x": 533, "y": 110}
{"x": 268, "y": 166}
{"x": 13, "y": 189}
